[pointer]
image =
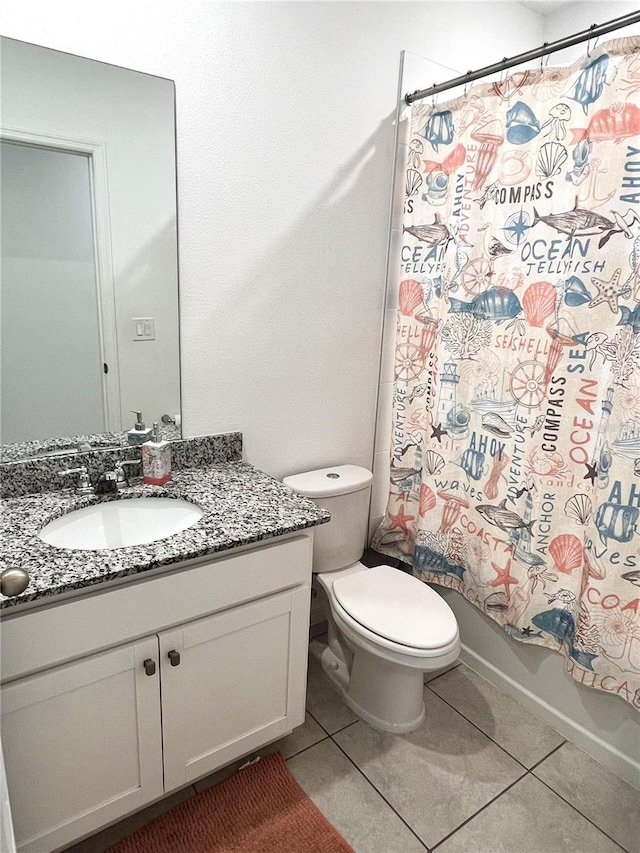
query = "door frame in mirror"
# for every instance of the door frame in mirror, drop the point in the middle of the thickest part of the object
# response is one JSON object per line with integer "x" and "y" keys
{"x": 101, "y": 226}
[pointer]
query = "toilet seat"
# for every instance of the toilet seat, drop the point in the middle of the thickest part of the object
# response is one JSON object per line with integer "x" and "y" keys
{"x": 396, "y": 611}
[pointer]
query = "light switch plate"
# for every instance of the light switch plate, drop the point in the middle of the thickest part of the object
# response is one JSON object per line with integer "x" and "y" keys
{"x": 144, "y": 328}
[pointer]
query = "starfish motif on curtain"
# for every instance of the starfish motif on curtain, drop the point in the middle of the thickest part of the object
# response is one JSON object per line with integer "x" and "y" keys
{"x": 592, "y": 472}
{"x": 400, "y": 520}
{"x": 608, "y": 291}
{"x": 503, "y": 578}
{"x": 438, "y": 432}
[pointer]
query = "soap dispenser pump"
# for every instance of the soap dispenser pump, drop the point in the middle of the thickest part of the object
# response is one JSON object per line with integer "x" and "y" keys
{"x": 156, "y": 459}
{"x": 139, "y": 433}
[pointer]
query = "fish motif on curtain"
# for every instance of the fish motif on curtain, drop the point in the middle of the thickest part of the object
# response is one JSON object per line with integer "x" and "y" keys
{"x": 515, "y": 460}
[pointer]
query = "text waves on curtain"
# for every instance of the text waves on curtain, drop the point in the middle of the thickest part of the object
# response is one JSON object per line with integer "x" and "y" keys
{"x": 515, "y": 465}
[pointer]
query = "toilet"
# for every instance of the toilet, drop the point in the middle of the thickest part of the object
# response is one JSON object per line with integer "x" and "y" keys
{"x": 385, "y": 627}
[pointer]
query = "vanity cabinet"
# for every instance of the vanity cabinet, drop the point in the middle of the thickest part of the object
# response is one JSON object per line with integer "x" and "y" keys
{"x": 102, "y": 714}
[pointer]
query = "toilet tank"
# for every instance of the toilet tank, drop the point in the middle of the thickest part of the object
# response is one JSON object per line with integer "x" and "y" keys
{"x": 344, "y": 490}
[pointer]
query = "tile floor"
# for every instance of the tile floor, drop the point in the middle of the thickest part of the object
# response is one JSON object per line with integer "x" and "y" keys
{"x": 481, "y": 775}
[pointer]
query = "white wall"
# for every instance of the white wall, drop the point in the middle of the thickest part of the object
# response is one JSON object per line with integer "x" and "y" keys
{"x": 285, "y": 151}
{"x": 577, "y": 16}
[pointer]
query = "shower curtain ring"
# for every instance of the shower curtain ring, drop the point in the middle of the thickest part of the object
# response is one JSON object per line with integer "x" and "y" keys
{"x": 544, "y": 62}
{"x": 503, "y": 71}
{"x": 589, "y": 48}
{"x": 466, "y": 84}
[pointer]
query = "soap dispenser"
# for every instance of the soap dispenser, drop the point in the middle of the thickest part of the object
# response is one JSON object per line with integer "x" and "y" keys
{"x": 138, "y": 434}
{"x": 156, "y": 459}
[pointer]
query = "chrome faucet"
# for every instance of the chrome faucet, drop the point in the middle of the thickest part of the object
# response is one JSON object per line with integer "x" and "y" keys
{"x": 84, "y": 483}
{"x": 107, "y": 483}
{"x": 122, "y": 478}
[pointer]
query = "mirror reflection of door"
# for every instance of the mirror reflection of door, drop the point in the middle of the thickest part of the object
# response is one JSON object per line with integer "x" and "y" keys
{"x": 52, "y": 342}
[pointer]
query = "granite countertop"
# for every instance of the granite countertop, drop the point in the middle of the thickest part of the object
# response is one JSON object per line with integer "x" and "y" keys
{"x": 241, "y": 505}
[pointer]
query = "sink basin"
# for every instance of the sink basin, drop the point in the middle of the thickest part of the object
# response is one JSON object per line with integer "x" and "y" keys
{"x": 120, "y": 523}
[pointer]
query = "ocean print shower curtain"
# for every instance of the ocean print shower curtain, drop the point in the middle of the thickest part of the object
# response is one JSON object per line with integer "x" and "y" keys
{"x": 515, "y": 469}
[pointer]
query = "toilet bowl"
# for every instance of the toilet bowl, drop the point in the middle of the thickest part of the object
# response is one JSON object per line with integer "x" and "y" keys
{"x": 395, "y": 629}
{"x": 385, "y": 627}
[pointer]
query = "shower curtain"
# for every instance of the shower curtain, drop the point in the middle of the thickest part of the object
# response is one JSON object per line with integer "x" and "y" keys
{"x": 515, "y": 462}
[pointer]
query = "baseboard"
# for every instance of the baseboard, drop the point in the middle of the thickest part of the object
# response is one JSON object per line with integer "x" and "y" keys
{"x": 589, "y": 742}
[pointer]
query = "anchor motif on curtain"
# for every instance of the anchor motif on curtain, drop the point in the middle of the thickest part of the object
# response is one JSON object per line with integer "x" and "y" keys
{"x": 515, "y": 459}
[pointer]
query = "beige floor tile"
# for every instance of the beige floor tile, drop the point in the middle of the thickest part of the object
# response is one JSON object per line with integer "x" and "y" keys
{"x": 350, "y": 803}
{"x": 435, "y": 777}
{"x": 498, "y": 715}
{"x": 608, "y": 801}
{"x": 528, "y": 818}
{"x": 323, "y": 701}
{"x": 106, "y": 838}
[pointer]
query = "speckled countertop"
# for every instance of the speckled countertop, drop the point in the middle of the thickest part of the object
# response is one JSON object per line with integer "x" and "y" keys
{"x": 241, "y": 506}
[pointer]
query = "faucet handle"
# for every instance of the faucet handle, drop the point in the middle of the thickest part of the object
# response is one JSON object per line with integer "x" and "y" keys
{"x": 121, "y": 478}
{"x": 84, "y": 483}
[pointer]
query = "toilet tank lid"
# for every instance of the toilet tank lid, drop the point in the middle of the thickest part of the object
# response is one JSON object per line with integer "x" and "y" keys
{"x": 328, "y": 482}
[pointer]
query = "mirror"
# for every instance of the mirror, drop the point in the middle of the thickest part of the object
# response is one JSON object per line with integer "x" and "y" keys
{"x": 89, "y": 276}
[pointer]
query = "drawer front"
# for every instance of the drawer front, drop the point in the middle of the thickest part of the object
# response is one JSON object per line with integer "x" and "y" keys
{"x": 43, "y": 638}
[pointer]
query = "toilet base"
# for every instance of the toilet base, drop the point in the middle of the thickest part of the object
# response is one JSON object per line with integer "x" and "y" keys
{"x": 387, "y": 697}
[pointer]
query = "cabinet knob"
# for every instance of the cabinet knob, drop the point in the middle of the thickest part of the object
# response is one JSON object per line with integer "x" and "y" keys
{"x": 174, "y": 657}
{"x": 149, "y": 666}
{"x": 13, "y": 582}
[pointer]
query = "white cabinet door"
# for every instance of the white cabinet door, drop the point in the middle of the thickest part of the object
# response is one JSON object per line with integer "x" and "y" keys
{"x": 232, "y": 682}
{"x": 82, "y": 745}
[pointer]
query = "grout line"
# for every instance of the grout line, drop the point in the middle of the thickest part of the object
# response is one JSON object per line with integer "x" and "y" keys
{"x": 588, "y": 819}
{"x": 315, "y": 720}
{"x": 481, "y": 809}
{"x": 538, "y": 763}
{"x": 440, "y": 674}
{"x": 380, "y": 794}
{"x": 305, "y": 748}
{"x": 325, "y": 729}
{"x": 348, "y": 725}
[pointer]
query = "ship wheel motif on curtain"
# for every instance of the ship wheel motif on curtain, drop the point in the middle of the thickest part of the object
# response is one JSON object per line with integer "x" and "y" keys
{"x": 411, "y": 359}
{"x": 476, "y": 276}
{"x": 410, "y": 362}
{"x": 528, "y": 384}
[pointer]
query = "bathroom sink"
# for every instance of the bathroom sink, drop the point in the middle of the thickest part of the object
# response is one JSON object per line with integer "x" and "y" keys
{"x": 120, "y": 523}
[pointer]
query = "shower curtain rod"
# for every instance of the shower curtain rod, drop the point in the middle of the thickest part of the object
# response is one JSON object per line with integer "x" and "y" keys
{"x": 594, "y": 31}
